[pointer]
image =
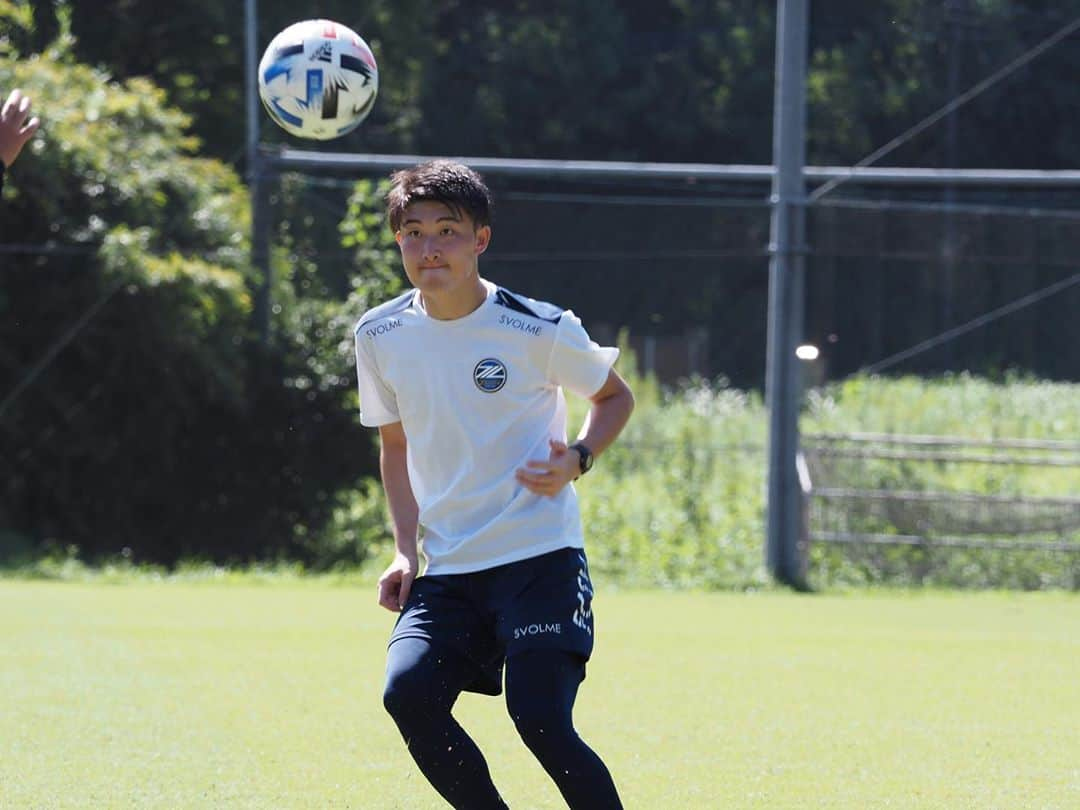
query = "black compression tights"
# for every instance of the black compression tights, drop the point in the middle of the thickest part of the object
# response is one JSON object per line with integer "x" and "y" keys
{"x": 422, "y": 684}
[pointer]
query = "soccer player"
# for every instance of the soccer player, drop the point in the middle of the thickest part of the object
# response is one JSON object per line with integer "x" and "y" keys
{"x": 15, "y": 129}
{"x": 464, "y": 381}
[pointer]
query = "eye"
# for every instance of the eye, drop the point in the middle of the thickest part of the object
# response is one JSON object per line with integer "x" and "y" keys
{"x": 447, "y": 231}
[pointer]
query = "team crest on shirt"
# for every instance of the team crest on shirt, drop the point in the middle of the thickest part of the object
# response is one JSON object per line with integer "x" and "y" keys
{"x": 489, "y": 375}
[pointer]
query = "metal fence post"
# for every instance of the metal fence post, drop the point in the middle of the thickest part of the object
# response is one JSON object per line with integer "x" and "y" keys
{"x": 786, "y": 293}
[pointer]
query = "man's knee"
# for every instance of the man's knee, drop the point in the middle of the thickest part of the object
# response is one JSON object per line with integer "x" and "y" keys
{"x": 541, "y": 686}
{"x": 410, "y": 695}
{"x": 420, "y": 688}
{"x": 542, "y": 728}
{"x": 399, "y": 694}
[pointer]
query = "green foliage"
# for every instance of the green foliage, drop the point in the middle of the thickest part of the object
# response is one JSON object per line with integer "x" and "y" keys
{"x": 678, "y": 500}
{"x": 109, "y": 154}
{"x": 166, "y": 390}
{"x": 667, "y": 81}
{"x": 877, "y": 69}
{"x": 378, "y": 274}
{"x": 671, "y": 80}
{"x": 163, "y": 427}
{"x": 318, "y": 311}
{"x": 955, "y": 405}
{"x": 959, "y": 406}
{"x": 16, "y": 29}
{"x": 198, "y": 59}
{"x": 358, "y": 531}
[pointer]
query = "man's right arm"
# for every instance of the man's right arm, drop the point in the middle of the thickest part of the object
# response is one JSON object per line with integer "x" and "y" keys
{"x": 396, "y": 581}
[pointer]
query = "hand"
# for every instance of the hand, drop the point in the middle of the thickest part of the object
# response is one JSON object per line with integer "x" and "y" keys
{"x": 396, "y": 582}
{"x": 15, "y": 130}
{"x": 549, "y": 477}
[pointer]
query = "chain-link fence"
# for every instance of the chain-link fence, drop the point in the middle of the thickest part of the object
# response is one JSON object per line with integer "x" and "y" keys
{"x": 985, "y": 284}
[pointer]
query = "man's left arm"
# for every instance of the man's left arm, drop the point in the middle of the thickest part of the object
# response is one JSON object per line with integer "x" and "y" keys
{"x": 610, "y": 411}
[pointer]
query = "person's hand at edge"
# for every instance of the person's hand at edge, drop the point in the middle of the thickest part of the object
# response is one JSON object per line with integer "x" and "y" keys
{"x": 16, "y": 127}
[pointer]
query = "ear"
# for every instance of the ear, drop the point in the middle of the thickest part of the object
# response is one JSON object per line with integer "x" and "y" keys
{"x": 397, "y": 237}
{"x": 483, "y": 239}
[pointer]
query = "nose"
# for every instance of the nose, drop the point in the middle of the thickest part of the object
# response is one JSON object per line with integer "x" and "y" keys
{"x": 430, "y": 251}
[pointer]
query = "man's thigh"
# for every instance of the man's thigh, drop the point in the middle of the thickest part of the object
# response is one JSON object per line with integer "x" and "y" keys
{"x": 441, "y": 612}
{"x": 550, "y": 606}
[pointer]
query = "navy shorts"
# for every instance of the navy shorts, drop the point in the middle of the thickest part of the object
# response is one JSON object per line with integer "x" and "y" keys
{"x": 540, "y": 602}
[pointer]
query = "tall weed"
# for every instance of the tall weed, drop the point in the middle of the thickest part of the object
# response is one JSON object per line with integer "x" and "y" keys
{"x": 679, "y": 500}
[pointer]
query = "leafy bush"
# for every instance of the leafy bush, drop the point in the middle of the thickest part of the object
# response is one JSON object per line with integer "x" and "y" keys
{"x": 148, "y": 415}
{"x": 960, "y": 406}
{"x": 678, "y": 500}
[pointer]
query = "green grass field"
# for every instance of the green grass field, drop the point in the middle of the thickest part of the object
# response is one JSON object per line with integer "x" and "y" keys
{"x": 179, "y": 695}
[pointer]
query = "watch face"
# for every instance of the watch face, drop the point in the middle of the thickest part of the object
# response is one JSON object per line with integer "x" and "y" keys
{"x": 586, "y": 457}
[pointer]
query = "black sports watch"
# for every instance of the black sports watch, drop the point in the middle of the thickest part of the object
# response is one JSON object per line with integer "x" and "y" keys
{"x": 585, "y": 458}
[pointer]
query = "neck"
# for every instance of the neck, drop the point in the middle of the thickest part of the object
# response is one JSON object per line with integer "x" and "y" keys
{"x": 456, "y": 304}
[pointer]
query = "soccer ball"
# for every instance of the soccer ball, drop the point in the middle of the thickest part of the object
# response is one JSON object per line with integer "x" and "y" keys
{"x": 318, "y": 79}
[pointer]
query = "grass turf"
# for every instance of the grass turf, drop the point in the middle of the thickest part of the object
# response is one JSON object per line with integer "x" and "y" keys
{"x": 268, "y": 696}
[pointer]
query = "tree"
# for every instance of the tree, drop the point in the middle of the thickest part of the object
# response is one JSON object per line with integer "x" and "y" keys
{"x": 196, "y": 53}
{"x": 162, "y": 426}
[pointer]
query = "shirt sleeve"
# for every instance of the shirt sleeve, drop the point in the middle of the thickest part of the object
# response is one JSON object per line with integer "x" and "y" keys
{"x": 578, "y": 363}
{"x": 378, "y": 405}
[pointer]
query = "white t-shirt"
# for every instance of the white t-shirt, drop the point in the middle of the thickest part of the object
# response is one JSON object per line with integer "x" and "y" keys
{"x": 478, "y": 397}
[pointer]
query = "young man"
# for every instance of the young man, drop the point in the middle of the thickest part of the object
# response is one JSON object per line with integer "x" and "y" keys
{"x": 15, "y": 129}
{"x": 464, "y": 381}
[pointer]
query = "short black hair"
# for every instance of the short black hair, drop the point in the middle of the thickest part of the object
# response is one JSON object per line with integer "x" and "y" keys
{"x": 454, "y": 184}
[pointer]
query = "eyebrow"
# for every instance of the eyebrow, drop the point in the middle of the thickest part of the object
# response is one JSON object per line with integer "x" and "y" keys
{"x": 440, "y": 219}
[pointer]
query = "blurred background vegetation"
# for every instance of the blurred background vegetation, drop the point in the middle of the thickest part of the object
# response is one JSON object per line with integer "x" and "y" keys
{"x": 161, "y": 429}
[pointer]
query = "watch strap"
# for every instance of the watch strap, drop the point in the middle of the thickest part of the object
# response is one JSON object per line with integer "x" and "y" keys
{"x": 585, "y": 457}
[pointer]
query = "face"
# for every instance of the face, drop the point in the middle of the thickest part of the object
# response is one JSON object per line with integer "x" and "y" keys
{"x": 440, "y": 249}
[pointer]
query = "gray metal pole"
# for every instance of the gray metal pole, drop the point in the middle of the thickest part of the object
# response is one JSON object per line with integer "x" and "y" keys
{"x": 251, "y": 57}
{"x": 256, "y": 174}
{"x": 956, "y": 17}
{"x": 787, "y": 249}
{"x": 305, "y": 161}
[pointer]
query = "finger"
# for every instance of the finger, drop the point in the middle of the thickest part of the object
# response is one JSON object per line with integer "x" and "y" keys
{"x": 536, "y": 489}
{"x": 24, "y": 108}
{"x": 12, "y": 100}
{"x": 404, "y": 591}
{"x": 534, "y": 482}
{"x": 388, "y": 592}
{"x": 542, "y": 485}
{"x": 388, "y": 599}
{"x": 539, "y": 469}
{"x": 531, "y": 483}
{"x": 30, "y": 128}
